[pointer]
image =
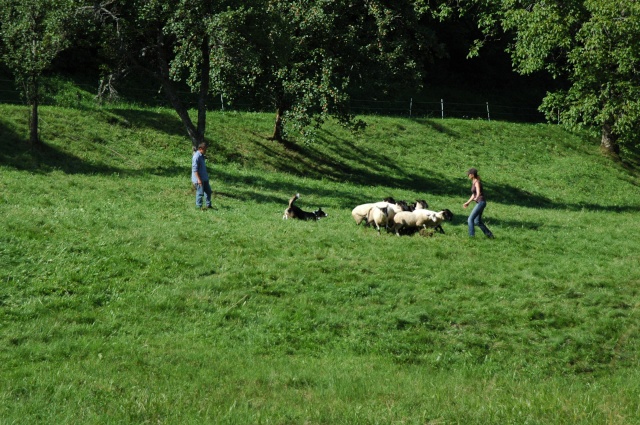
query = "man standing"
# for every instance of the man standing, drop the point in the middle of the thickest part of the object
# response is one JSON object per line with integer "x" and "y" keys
{"x": 200, "y": 177}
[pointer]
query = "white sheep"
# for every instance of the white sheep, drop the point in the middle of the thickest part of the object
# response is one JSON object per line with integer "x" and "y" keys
{"x": 420, "y": 218}
{"x": 361, "y": 212}
{"x": 436, "y": 219}
{"x": 405, "y": 220}
{"x": 420, "y": 205}
{"x": 379, "y": 216}
{"x": 382, "y": 213}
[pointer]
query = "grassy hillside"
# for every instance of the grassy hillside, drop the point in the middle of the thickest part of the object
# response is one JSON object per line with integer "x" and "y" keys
{"x": 121, "y": 303}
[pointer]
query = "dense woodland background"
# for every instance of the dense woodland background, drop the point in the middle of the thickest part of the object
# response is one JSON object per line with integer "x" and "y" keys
{"x": 576, "y": 61}
{"x": 454, "y": 78}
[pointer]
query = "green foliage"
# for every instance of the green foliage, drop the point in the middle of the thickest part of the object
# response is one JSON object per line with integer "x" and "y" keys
{"x": 595, "y": 45}
{"x": 301, "y": 58}
{"x": 33, "y": 32}
{"x": 119, "y": 302}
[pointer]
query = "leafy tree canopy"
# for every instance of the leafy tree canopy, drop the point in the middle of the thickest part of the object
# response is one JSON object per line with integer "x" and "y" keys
{"x": 299, "y": 57}
{"x": 303, "y": 57}
{"x": 32, "y": 34}
{"x": 594, "y": 44}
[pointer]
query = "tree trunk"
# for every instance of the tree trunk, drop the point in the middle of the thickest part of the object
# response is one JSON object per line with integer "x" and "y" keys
{"x": 195, "y": 134}
{"x": 204, "y": 90}
{"x": 609, "y": 142}
{"x": 278, "y": 130}
{"x": 33, "y": 124}
{"x": 33, "y": 118}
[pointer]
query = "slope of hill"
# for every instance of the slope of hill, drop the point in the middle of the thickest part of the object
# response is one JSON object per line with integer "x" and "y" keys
{"x": 120, "y": 302}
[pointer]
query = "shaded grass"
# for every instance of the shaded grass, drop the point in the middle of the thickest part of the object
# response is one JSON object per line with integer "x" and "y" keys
{"x": 119, "y": 302}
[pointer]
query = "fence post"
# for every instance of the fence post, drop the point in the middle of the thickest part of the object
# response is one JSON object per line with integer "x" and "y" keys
{"x": 410, "y": 106}
{"x": 442, "y": 108}
{"x": 488, "y": 115}
{"x": 222, "y": 102}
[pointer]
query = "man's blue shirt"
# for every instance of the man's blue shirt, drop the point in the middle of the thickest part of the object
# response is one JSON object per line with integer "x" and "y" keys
{"x": 198, "y": 164}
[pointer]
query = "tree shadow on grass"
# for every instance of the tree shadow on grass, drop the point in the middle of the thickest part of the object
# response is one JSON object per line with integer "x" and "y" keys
{"x": 16, "y": 152}
{"x": 165, "y": 122}
{"x": 370, "y": 168}
{"x": 367, "y": 169}
{"x": 434, "y": 125}
{"x": 631, "y": 160}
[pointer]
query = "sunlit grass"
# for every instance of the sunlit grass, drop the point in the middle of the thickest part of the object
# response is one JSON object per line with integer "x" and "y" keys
{"x": 121, "y": 303}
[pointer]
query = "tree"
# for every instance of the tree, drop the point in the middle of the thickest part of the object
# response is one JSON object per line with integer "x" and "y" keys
{"x": 304, "y": 57}
{"x": 595, "y": 45}
{"x": 33, "y": 33}
{"x": 160, "y": 39}
{"x": 300, "y": 57}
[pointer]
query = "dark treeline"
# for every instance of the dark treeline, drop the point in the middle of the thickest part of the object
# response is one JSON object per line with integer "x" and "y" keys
{"x": 458, "y": 78}
{"x": 572, "y": 62}
{"x": 464, "y": 83}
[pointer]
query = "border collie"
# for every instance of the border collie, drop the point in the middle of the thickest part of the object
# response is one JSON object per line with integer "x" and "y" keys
{"x": 293, "y": 211}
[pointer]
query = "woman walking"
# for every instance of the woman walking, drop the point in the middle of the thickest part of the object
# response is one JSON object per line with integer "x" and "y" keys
{"x": 477, "y": 194}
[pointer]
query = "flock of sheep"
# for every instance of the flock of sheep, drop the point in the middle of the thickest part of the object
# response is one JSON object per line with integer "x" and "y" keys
{"x": 399, "y": 217}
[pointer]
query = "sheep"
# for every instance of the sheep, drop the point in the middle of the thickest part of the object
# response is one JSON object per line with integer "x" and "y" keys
{"x": 405, "y": 220}
{"x": 379, "y": 216}
{"x": 437, "y": 218}
{"x": 361, "y": 212}
{"x": 382, "y": 215}
{"x": 420, "y": 218}
{"x": 420, "y": 204}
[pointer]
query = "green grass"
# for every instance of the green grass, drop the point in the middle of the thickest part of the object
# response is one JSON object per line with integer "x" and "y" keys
{"x": 120, "y": 303}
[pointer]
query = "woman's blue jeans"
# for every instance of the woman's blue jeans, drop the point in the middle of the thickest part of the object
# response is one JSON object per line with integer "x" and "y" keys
{"x": 203, "y": 190}
{"x": 475, "y": 219}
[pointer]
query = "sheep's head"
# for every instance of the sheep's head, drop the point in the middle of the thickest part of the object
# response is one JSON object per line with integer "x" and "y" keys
{"x": 421, "y": 204}
{"x": 448, "y": 215}
{"x": 403, "y": 206}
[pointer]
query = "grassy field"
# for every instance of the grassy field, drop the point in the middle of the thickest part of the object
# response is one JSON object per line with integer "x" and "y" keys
{"x": 121, "y": 303}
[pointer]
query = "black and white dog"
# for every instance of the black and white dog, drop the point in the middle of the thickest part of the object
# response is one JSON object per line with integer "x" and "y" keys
{"x": 293, "y": 211}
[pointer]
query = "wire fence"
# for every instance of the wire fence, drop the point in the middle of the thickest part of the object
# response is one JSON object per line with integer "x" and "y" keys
{"x": 411, "y": 107}
{"x": 444, "y": 109}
